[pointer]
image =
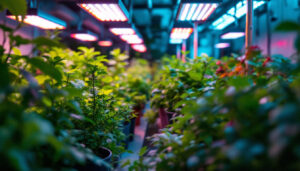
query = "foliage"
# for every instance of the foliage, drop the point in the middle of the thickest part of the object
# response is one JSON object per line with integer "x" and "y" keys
{"x": 243, "y": 114}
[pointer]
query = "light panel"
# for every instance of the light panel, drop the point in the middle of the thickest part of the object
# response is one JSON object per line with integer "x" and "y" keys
{"x": 105, "y": 11}
{"x": 139, "y": 48}
{"x": 122, "y": 31}
{"x": 222, "y": 45}
{"x": 176, "y": 41}
{"x": 84, "y": 37}
{"x": 132, "y": 39}
{"x": 41, "y": 20}
{"x": 105, "y": 43}
{"x": 181, "y": 33}
{"x": 232, "y": 35}
{"x": 241, "y": 9}
{"x": 196, "y": 11}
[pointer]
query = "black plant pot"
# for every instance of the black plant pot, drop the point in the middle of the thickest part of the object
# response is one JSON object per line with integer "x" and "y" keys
{"x": 104, "y": 154}
{"x": 126, "y": 131}
{"x": 132, "y": 127}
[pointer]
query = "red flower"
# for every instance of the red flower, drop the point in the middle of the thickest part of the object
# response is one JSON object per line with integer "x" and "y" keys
{"x": 218, "y": 62}
{"x": 268, "y": 59}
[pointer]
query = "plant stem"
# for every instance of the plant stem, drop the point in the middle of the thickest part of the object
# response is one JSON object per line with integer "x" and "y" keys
{"x": 94, "y": 95}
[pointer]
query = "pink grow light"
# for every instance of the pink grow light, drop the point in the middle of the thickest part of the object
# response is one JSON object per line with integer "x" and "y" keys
{"x": 139, "y": 48}
{"x": 84, "y": 37}
{"x": 222, "y": 45}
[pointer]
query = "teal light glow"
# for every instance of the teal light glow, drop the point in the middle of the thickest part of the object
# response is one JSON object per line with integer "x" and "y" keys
{"x": 176, "y": 41}
{"x": 228, "y": 18}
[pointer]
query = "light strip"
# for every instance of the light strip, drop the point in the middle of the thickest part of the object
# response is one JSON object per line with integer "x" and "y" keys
{"x": 139, "y": 48}
{"x": 222, "y": 45}
{"x": 233, "y": 35}
{"x": 132, "y": 39}
{"x": 105, "y": 43}
{"x": 41, "y": 20}
{"x": 196, "y": 11}
{"x": 241, "y": 9}
{"x": 84, "y": 37}
{"x": 122, "y": 31}
{"x": 105, "y": 12}
{"x": 181, "y": 33}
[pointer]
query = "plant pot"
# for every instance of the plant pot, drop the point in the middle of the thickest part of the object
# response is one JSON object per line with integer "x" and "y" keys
{"x": 132, "y": 127}
{"x": 163, "y": 117}
{"x": 126, "y": 131}
{"x": 105, "y": 154}
{"x": 138, "y": 110}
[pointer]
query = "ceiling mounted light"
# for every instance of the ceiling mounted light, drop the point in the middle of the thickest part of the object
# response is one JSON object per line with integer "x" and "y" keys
{"x": 105, "y": 10}
{"x": 139, "y": 48}
{"x": 181, "y": 33}
{"x": 222, "y": 45}
{"x": 122, "y": 31}
{"x": 233, "y": 35}
{"x": 41, "y": 20}
{"x": 240, "y": 10}
{"x": 196, "y": 10}
{"x": 132, "y": 39}
{"x": 85, "y": 36}
{"x": 105, "y": 43}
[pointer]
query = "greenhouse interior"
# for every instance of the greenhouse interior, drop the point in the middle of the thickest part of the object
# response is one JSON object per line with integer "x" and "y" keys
{"x": 138, "y": 85}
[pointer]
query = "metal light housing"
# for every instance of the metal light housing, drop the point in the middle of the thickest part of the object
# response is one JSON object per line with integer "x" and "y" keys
{"x": 40, "y": 19}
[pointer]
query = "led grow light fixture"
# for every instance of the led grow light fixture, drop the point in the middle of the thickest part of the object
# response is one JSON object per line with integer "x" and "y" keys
{"x": 228, "y": 18}
{"x": 105, "y": 43}
{"x": 233, "y": 35}
{"x": 181, "y": 33}
{"x": 132, "y": 39}
{"x": 222, "y": 45}
{"x": 85, "y": 36}
{"x": 196, "y": 10}
{"x": 41, "y": 20}
{"x": 122, "y": 31}
{"x": 139, "y": 48}
{"x": 105, "y": 10}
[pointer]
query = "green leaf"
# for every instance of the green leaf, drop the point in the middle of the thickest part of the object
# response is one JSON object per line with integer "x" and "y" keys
{"x": 143, "y": 151}
{"x": 43, "y": 41}
{"x": 46, "y": 68}
{"x": 288, "y": 26}
{"x": 16, "y": 7}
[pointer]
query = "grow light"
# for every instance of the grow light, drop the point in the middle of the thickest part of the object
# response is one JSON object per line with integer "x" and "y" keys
{"x": 139, "y": 48}
{"x": 228, "y": 18}
{"x": 84, "y": 37}
{"x": 132, "y": 39}
{"x": 103, "y": 10}
{"x": 122, "y": 31}
{"x": 105, "y": 43}
{"x": 176, "y": 41}
{"x": 192, "y": 10}
{"x": 181, "y": 33}
{"x": 222, "y": 45}
{"x": 41, "y": 20}
{"x": 232, "y": 35}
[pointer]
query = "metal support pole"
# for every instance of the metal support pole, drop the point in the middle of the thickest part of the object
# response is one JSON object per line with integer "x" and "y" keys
{"x": 269, "y": 34}
{"x": 195, "y": 40}
{"x": 249, "y": 24}
{"x": 178, "y": 51}
{"x": 183, "y": 50}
